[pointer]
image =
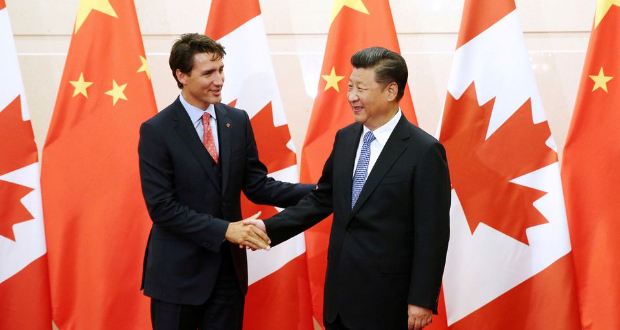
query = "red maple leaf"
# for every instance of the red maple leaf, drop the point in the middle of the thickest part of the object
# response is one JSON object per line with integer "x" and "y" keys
{"x": 271, "y": 143}
{"x": 12, "y": 210}
{"x": 481, "y": 168}
{"x": 17, "y": 146}
{"x": 17, "y": 149}
{"x": 270, "y": 140}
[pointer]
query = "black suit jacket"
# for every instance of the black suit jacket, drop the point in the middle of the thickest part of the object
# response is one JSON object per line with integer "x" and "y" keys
{"x": 390, "y": 250}
{"x": 191, "y": 200}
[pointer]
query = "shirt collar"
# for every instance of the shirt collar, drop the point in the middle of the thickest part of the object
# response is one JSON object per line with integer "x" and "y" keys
{"x": 195, "y": 113}
{"x": 382, "y": 134}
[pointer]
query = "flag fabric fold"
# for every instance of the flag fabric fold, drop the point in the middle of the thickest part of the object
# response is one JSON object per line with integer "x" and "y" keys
{"x": 278, "y": 294}
{"x": 354, "y": 25}
{"x": 509, "y": 261}
{"x": 24, "y": 283}
{"x": 591, "y": 154}
{"x": 98, "y": 223}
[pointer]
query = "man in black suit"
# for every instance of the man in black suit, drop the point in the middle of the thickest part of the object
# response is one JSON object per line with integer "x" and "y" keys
{"x": 387, "y": 184}
{"x": 196, "y": 156}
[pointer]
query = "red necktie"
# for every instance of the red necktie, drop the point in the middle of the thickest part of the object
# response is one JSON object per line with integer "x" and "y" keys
{"x": 208, "y": 136}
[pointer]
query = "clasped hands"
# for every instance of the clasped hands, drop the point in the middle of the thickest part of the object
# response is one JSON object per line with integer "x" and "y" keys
{"x": 249, "y": 233}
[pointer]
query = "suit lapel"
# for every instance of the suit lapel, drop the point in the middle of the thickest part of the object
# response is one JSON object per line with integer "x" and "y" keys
{"x": 185, "y": 128}
{"x": 393, "y": 149}
{"x": 224, "y": 135}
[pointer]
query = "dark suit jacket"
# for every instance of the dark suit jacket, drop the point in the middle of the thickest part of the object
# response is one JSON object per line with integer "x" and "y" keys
{"x": 390, "y": 250}
{"x": 191, "y": 200}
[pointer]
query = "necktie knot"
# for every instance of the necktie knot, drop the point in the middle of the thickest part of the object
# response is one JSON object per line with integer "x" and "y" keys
{"x": 369, "y": 137}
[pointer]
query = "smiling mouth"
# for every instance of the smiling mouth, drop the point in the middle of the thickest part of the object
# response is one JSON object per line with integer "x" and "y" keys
{"x": 357, "y": 109}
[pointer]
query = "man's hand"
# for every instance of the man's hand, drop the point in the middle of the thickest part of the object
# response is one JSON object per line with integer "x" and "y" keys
{"x": 250, "y": 236}
{"x": 257, "y": 223}
{"x": 419, "y": 317}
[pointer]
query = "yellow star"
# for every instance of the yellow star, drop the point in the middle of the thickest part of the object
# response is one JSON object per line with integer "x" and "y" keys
{"x": 117, "y": 92}
{"x": 145, "y": 67}
{"x": 80, "y": 86}
{"x": 86, "y": 6}
{"x": 601, "y": 81}
{"x": 332, "y": 80}
{"x": 353, "y": 4}
{"x": 602, "y": 7}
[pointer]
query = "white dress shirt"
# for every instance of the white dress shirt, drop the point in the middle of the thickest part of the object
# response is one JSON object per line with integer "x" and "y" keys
{"x": 195, "y": 115}
{"x": 382, "y": 134}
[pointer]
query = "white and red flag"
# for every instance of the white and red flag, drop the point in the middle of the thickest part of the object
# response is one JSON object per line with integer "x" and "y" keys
{"x": 509, "y": 263}
{"x": 279, "y": 293}
{"x": 24, "y": 283}
{"x": 591, "y": 177}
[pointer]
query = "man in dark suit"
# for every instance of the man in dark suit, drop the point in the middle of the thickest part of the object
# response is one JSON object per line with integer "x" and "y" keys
{"x": 196, "y": 156}
{"x": 387, "y": 184}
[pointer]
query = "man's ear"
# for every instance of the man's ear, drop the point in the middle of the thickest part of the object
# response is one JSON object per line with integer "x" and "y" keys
{"x": 392, "y": 89}
{"x": 181, "y": 76}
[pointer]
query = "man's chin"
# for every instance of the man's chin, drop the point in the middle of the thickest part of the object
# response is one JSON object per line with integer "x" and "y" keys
{"x": 215, "y": 100}
{"x": 360, "y": 118}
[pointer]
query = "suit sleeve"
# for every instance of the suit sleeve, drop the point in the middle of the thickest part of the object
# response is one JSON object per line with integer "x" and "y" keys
{"x": 313, "y": 208}
{"x": 156, "y": 176}
{"x": 431, "y": 227}
{"x": 261, "y": 189}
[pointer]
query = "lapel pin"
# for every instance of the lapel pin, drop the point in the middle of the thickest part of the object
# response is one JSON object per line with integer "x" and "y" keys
{"x": 228, "y": 125}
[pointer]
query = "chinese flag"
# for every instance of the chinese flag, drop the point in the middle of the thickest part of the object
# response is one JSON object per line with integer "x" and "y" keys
{"x": 590, "y": 174}
{"x": 24, "y": 284}
{"x": 97, "y": 220}
{"x": 509, "y": 263}
{"x": 355, "y": 25}
{"x": 279, "y": 295}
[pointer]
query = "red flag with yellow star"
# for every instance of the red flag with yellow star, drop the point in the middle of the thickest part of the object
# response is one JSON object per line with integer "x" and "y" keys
{"x": 509, "y": 260}
{"x": 590, "y": 175}
{"x": 24, "y": 284}
{"x": 97, "y": 223}
{"x": 355, "y": 25}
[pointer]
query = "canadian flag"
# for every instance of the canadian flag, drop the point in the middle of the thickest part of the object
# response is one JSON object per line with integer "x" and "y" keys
{"x": 24, "y": 284}
{"x": 509, "y": 263}
{"x": 279, "y": 292}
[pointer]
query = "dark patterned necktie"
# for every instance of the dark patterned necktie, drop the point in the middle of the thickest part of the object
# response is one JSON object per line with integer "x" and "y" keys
{"x": 362, "y": 168}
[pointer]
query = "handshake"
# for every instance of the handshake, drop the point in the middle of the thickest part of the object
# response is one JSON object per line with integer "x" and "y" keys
{"x": 249, "y": 233}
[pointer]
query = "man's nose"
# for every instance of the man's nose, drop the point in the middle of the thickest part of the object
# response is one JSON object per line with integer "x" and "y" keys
{"x": 219, "y": 79}
{"x": 352, "y": 96}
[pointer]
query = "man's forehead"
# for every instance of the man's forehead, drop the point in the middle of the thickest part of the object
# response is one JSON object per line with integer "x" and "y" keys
{"x": 362, "y": 75}
{"x": 213, "y": 57}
